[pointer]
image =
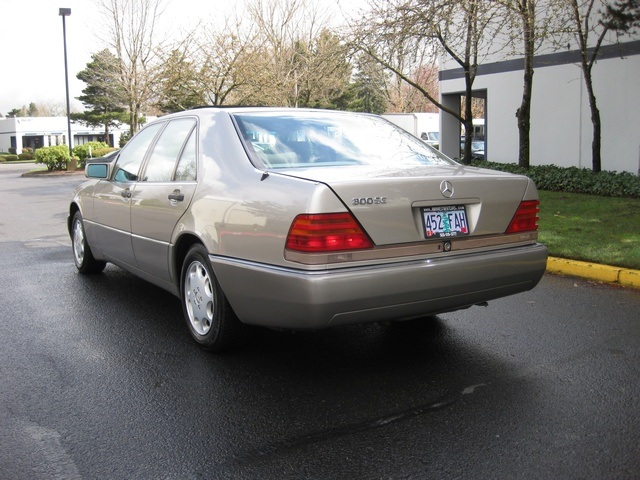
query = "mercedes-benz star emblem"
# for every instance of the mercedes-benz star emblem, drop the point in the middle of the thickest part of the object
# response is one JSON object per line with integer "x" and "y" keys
{"x": 446, "y": 189}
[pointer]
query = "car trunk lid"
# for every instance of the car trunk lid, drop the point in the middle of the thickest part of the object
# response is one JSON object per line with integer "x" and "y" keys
{"x": 390, "y": 202}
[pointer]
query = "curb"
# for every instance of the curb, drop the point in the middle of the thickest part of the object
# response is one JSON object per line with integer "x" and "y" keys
{"x": 603, "y": 273}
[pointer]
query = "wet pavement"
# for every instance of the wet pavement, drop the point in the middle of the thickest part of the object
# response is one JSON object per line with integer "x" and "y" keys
{"x": 100, "y": 379}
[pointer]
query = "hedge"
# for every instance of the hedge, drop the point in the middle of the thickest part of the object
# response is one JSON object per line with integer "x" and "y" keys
{"x": 573, "y": 179}
{"x": 88, "y": 150}
{"x": 101, "y": 152}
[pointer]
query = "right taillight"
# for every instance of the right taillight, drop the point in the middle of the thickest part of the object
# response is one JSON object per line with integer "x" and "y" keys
{"x": 525, "y": 218}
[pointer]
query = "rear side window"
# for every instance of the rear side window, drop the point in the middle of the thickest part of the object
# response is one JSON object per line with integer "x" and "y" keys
{"x": 128, "y": 163}
{"x": 167, "y": 151}
{"x": 186, "y": 170}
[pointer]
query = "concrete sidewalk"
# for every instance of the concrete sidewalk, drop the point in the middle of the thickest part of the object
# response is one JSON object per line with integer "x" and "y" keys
{"x": 593, "y": 271}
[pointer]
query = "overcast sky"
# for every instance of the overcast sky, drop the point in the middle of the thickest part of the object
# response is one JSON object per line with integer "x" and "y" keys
{"x": 32, "y": 46}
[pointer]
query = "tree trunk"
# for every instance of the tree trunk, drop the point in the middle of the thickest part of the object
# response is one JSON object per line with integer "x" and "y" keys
{"x": 524, "y": 120}
{"x": 468, "y": 138}
{"x": 524, "y": 112}
{"x": 596, "y": 159}
{"x": 468, "y": 119}
{"x": 587, "y": 61}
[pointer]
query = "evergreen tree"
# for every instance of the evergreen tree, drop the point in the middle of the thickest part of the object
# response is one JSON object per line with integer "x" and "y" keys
{"x": 367, "y": 91}
{"x": 102, "y": 97}
{"x": 623, "y": 16}
{"x": 32, "y": 111}
{"x": 178, "y": 84}
{"x": 16, "y": 112}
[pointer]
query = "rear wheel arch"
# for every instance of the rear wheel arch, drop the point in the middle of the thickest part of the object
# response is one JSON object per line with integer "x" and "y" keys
{"x": 209, "y": 317}
{"x": 180, "y": 250}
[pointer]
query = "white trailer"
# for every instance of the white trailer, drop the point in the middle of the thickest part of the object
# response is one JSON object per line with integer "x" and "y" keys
{"x": 425, "y": 126}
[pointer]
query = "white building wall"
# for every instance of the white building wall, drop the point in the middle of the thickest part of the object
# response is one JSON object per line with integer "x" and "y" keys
{"x": 52, "y": 130}
{"x": 561, "y": 127}
{"x": 556, "y": 123}
{"x": 616, "y": 87}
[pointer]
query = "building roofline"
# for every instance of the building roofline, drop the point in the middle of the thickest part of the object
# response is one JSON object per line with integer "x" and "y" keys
{"x": 619, "y": 50}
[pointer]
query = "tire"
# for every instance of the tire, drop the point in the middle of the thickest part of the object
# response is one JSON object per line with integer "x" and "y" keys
{"x": 209, "y": 317}
{"x": 82, "y": 255}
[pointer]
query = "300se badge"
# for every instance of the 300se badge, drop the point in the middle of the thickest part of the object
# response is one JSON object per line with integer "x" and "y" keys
{"x": 445, "y": 221}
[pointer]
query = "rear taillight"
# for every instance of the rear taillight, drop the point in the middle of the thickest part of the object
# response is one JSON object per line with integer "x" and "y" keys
{"x": 525, "y": 218}
{"x": 326, "y": 232}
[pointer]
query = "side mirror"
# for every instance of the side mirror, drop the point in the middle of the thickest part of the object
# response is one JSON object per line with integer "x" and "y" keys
{"x": 97, "y": 170}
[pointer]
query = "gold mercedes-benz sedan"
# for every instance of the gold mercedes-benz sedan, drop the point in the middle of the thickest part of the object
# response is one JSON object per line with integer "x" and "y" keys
{"x": 303, "y": 219}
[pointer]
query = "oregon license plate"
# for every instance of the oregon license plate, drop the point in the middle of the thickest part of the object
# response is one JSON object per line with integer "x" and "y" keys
{"x": 445, "y": 221}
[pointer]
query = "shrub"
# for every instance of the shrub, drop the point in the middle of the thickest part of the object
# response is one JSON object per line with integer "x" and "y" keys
{"x": 26, "y": 156}
{"x": 88, "y": 150}
{"x": 12, "y": 150}
{"x": 11, "y": 158}
{"x": 27, "y": 150}
{"x": 55, "y": 158}
{"x": 573, "y": 179}
{"x": 101, "y": 152}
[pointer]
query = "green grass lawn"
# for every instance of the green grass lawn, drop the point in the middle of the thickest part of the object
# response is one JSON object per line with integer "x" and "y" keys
{"x": 590, "y": 228}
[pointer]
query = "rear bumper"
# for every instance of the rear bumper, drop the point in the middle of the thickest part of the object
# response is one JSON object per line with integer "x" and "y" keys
{"x": 297, "y": 299}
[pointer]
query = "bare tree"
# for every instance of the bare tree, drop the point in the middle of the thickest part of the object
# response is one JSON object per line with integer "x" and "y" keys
{"x": 410, "y": 59}
{"x": 590, "y": 26}
{"x": 39, "y": 110}
{"x": 52, "y": 109}
{"x": 412, "y": 100}
{"x": 131, "y": 33}
{"x": 276, "y": 53}
{"x": 396, "y": 32}
{"x": 227, "y": 61}
{"x": 528, "y": 26}
{"x": 299, "y": 59}
{"x": 526, "y": 12}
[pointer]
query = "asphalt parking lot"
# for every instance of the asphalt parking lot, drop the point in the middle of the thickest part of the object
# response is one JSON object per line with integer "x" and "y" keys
{"x": 100, "y": 379}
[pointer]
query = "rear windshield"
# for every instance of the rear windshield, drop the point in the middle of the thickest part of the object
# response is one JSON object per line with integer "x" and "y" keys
{"x": 316, "y": 139}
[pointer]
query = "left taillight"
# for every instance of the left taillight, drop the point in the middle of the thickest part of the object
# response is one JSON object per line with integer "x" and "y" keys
{"x": 326, "y": 232}
{"x": 526, "y": 217}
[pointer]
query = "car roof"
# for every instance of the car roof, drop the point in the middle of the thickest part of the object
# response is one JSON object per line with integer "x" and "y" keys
{"x": 233, "y": 109}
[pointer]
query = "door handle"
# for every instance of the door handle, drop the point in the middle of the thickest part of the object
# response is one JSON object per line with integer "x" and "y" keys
{"x": 176, "y": 196}
{"x": 126, "y": 193}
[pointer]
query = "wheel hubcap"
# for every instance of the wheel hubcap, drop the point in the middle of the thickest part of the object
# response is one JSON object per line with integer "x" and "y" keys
{"x": 198, "y": 297}
{"x": 78, "y": 242}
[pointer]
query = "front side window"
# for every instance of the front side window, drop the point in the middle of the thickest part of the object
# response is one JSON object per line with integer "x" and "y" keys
{"x": 165, "y": 153}
{"x": 128, "y": 164}
{"x": 315, "y": 139}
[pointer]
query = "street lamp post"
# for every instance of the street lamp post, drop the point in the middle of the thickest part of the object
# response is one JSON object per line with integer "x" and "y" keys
{"x": 65, "y": 12}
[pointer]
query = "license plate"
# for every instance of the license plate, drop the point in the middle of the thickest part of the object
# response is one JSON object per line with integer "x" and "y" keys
{"x": 446, "y": 221}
